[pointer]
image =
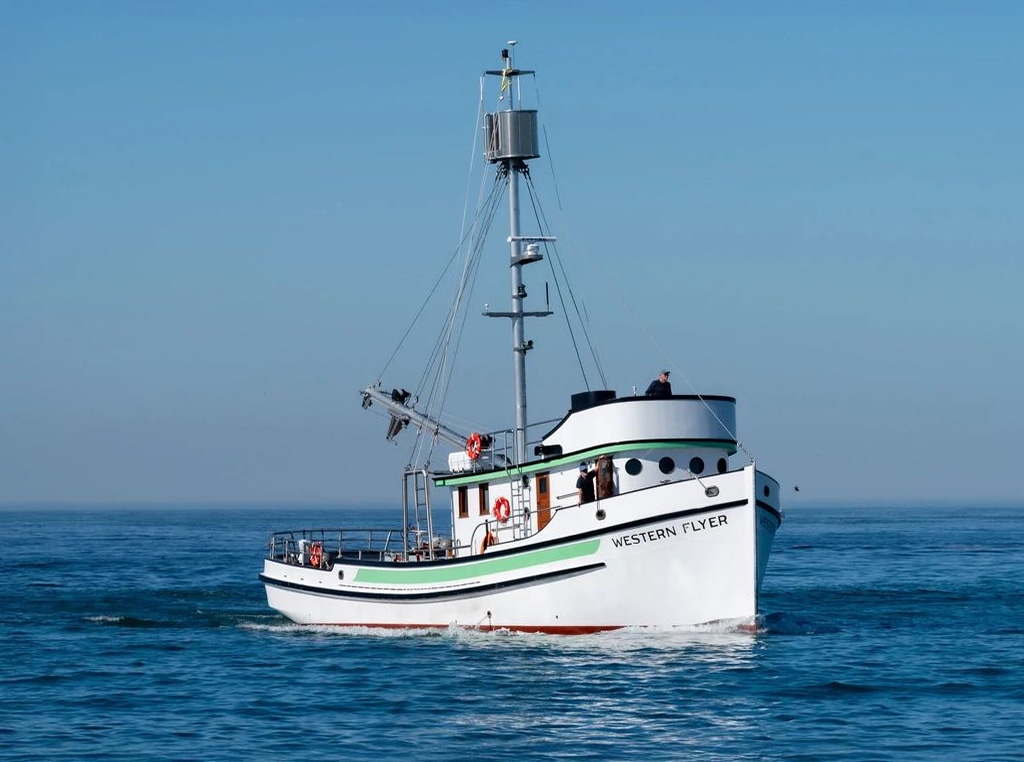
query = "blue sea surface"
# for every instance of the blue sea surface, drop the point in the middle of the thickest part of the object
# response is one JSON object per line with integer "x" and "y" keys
{"x": 143, "y": 633}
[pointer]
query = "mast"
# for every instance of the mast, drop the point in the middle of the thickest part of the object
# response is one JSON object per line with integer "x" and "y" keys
{"x": 510, "y": 140}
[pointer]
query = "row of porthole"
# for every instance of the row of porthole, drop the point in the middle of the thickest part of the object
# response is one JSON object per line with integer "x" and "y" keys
{"x": 667, "y": 465}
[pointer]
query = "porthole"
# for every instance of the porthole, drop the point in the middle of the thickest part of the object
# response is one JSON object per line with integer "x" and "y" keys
{"x": 767, "y": 490}
{"x": 696, "y": 465}
{"x": 666, "y": 465}
{"x": 723, "y": 465}
{"x": 634, "y": 466}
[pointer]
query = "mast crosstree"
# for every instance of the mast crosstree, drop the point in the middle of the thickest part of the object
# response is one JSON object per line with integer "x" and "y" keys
{"x": 510, "y": 140}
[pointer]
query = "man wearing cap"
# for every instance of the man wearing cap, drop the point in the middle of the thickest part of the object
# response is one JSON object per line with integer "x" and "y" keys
{"x": 585, "y": 485}
{"x": 660, "y": 387}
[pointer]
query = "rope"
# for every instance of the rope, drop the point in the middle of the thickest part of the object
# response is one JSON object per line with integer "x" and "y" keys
{"x": 553, "y": 250}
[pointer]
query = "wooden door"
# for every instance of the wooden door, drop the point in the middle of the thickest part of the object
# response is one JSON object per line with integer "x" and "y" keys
{"x": 543, "y": 486}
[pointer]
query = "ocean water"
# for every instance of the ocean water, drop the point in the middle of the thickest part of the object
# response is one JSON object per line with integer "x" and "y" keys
{"x": 887, "y": 634}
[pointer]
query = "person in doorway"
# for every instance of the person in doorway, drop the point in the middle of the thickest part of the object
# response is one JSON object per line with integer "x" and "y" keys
{"x": 585, "y": 485}
{"x": 660, "y": 387}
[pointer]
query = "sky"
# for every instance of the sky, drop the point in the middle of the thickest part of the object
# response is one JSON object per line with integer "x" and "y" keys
{"x": 217, "y": 221}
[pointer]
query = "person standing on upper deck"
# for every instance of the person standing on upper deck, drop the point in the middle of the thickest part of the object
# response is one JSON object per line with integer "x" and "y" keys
{"x": 660, "y": 387}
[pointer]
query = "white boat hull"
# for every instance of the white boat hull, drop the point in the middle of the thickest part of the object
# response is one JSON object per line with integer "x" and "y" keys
{"x": 670, "y": 555}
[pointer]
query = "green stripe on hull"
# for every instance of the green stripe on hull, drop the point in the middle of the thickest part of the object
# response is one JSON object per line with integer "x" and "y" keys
{"x": 411, "y": 575}
{"x": 547, "y": 465}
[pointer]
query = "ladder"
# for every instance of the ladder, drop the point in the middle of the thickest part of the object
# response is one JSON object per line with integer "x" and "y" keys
{"x": 416, "y": 495}
{"x": 522, "y": 507}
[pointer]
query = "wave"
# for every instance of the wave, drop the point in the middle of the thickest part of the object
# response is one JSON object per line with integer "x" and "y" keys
{"x": 783, "y": 623}
{"x": 196, "y": 619}
{"x": 279, "y": 627}
{"x": 131, "y": 621}
{"x": 742, "y": 626}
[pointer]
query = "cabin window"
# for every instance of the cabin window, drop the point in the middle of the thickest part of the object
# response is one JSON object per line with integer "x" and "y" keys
{"x": 696, "y": 465}
{"x": 723, "y": 465}
{"x": 484, "y": 502}
{"x": 634, "y": 467}
{"x": 666, "y": 465}
{"x": 463, "y": 503}
{"x": 767, "y": 490}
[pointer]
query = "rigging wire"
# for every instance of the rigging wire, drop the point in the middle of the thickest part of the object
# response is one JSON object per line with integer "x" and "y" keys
{"x": 612, "y": 288}
{"x": 463, "y": 234}
{"x": 471, "y": 267}
{"x": 551, "y": 166}
{"x": 472, "y": 158}
{"x": 632, "y": 313}
{"x": 446, "y": 349}
{"x": 473, "y": 254}
{"x": 423, "y": 306}
{"x": 543, "y": 224}
{"x": 441, "y": 358}
{"x": 547, "y": 146}
{"x": 550, "y": 248}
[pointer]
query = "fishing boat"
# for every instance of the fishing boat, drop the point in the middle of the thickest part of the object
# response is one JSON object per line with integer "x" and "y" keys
{"x": 627, "y": 511}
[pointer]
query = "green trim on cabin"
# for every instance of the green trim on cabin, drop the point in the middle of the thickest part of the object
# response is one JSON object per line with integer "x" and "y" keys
{"x": 412, "y": 574}
{"x": 547, "y": 465}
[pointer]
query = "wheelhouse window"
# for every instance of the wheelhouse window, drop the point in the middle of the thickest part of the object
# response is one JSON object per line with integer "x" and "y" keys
{"x": 462, "y": 497}
{"x": 483, "y": 499}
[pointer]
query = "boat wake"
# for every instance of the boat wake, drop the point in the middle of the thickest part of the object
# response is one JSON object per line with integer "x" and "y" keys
{"x": 743, "y": 627}
{"x": 781, "y": 623}
{"x": 332, "y": 630}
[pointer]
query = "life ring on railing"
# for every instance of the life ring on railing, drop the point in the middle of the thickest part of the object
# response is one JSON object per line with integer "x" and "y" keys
{"x": 474, "y": 445}
{"x": 501, "y": 510}
{"x": 316, "y": 554}
{"x": 490, "y": 538}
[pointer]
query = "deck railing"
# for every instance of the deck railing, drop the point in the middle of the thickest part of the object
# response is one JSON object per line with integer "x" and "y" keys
{"x": 323, "y": 547}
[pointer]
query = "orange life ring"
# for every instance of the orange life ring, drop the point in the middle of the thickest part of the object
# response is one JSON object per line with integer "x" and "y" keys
{"x": 501, "y": 510}
{"x": 473, "y": 446}
{"x": 316, "y": 554}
